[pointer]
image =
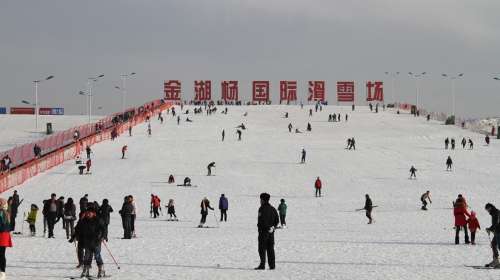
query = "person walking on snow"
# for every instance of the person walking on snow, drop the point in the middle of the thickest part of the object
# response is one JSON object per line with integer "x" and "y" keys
{"x": 5, "y": 238}
{"x": 473, "y": 227}
{"x": 464, "y": 142}
{"x": 32, "y": 219}
{"x": 290, "y": 127}
{"x": 267, "y": 221}
{"x": 223, "y": 207}
{"x": 460, "y": 212}
{"x": 453, "y": 143}
{"x": 149, "y": 129}
{"x": 425, "y": 196}
{"x": 449, "y": 162}
{"x": 126, "y": 214}
{"x": 223, "y": 135}
{"x": 303, "y": 156}
{"x": 155, "y": 205}
{"x": 89, "y": 151}
{"x": 317, "y": 186}
{"x": 471, "y": 144}
{"x": 412, "y": 172}
{"x": 487, "y": 139}
{"x": 104, "y": 213}
{"x": 130, "y": 130}
{"x": 368, "y": 208}
{"x": 88, "y": 164}
{"x": 282, "y": 212}
{"x": 495, "y": 229}
{"x": 171, "y": 210}
{"x": 209, "y": 168}
{"x": 446, "y": 143}
{"x": 124, "y": 149}
{"x": 204, "y": 205}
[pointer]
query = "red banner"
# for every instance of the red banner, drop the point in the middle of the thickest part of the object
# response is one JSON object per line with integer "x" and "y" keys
{"x": 172, "y": 90}
{"x": 345, "y": 91}
{"x": 22, "y": 110}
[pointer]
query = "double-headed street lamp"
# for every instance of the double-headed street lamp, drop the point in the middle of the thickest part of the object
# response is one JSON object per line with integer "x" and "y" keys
{"x": 453, "y": 78}
{"x": 36, "y": 82}
{"x": 122, "y": 88}
{"x": 393, "y": 84}
{"x": 417, "y": 78}
{"x": 90, "y": 82}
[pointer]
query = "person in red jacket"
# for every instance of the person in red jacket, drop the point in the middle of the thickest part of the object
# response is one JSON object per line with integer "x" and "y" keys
{"x": 5, "y": 238}
{"x": 88, "y": 164}
{"x": 317, "y": 186}
{"x": 460, "y": 213}
{"x": 155, "y": 205}
{"x": 473, "y": 227}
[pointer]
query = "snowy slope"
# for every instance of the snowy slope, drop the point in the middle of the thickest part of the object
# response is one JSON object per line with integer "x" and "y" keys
{"x": 325, "y": 238}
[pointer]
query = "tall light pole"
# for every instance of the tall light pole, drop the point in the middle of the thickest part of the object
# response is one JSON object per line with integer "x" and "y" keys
{"x": 417, "y": 78}
{"x": 393, "y": 84}
{"x": 123, "y": 88}
{"x": 36, "y": 82}
{"x": 453, "y": 78}
{"x": 90, "y": 82}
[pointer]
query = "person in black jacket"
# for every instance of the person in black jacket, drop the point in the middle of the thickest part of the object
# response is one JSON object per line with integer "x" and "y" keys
{"x": 104, "y": 213}
{"x": 368, "y": 208}
{"x": 495, "y": 228}
{"x": 50, "y": 210}
{"x": 83, "y": 203}
{"x": 126, "y": 213}
{"x": 88, "y": 231}
{"x": 69, "y": 218}
{"x": 267, "y": 221}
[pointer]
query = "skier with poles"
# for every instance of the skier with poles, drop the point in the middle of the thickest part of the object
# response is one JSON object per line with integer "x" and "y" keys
{"x": 464, "y": 142}
{"x": 204, "y": 205}
{"x": 495, "y": 229}
{"x": 267, "y": 222}
{"x": 449, "y": 162}
{"x": 209, "y": 168}
{"x": 425, "y": 196}
{"x": 412, "y": 172}
{"x": 368, "y": 208}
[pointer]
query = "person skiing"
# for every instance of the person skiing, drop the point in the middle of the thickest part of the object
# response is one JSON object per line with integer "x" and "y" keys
{"x": 282, "y": 213}
{"x": 412, "y": 172}
{"x": 368, "y": 208}
{"x": 155, "y": 205}
{"x": 89, "y": 151}
{"x": 209, "y": 168}
{"x": 204, "y": 205}
{"x": 31, "y": 219}
{"x": 267, "y": 221}
{"x": 473, "y": 226}
{"x": 50, "y": 210}
{"x": 171, "y": 179}
{"x": 460, "y": 212}
{"x": 471, "y": 144}
{"x": 223, "y": 207}
{"x": 309, "y": 128}
{"x": 69, "y": 217}
{"x": 425, "y": 196}
{"x": 317, "y": 186}
{"x": 5, "y": 238}
{"x": 223, "y": 135}
{"x": 446, "y": 143}
{"x": 495, "y": 229}
{"x": 303, "y": 157}
{"x": 239, "y": 134}
{"x": 89, "y": 232}
{"x": 290, "y": 127}
{"x": 124, "y": 149}
{"x": 353, "y": 144}
{"x": 126, "y": 214}
{"x": 487, "y": 139}
{"x": 453, "y": 143}
{"x": 171, "y": 210}
{"x": 187, "y": 182}
{"x": 464, "y": 142}
{"x": 449, "y": 162}
{"x": 104, "y": 213}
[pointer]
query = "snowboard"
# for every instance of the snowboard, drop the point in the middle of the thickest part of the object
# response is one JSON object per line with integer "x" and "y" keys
{"x": 188, "y": 186}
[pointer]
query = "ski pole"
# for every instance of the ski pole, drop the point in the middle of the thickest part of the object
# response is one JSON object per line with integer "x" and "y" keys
{"x": 216, "y": 221}
{"x": 22, "y": 226}
{"x": 109, "y": 251}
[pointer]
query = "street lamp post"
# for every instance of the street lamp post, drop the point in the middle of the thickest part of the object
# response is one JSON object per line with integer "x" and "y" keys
{"x": 123, "y": 88}
{"x": 416, "y": 77}
{"x": 453, "y": 97}
{"x": 393, "y": 84}
{"x": 89, "y": 86}
{"x": 36, "y": 82}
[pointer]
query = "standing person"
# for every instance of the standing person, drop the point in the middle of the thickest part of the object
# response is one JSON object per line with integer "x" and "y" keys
{"x": 50, "y": 212}
{"x": 171, "y": 210}
{"x": 446, "y": 143}
{"x": 209, "y": 168}
{"x": 487, "y": 139}
{"x": 133, "y": 216}
{"x": 303, "y": 156}
{"x": 309, "y": 127}
{"x": 60, "y": 211}
{"x": 205, "y": 205}
{"x": 426, "y": 196}
{"x": 223, "y": 207}
{"x": 89, "y": 151}
{"x": 471, "y": 144}
{"x": 449, "y": 162}
{"x": 223, "y": 135}
{"x": 130, "y": 130}
{"x": 126, "y": 214}
{"x": 178, "y": 119}
{"x": 149, "y": 129}
{"x": 453, "y": 143}
{"x": 412, "y": 172}
{"x": 267, "y": 221}
{"x": 155, "y": 204}
{"x": 473, "y": 227}
{"x": 464, "y": 142}
{"x": 88, "y": 232}
{"x": 239, "y": 134}
{"x": 32, "y": 219}
{"x": 14, "y": 209}
{"x": 104, "y": 214}
{"x": 124, "y": 150}
{"x": 495, "y": 229}
{"x": 353, "y": 144}
{"x": 290, "y": 127}
{"x": 460, "y": 212}
{"x": 282, "y": 212}
{"x": 69, "y": 217}
{"x": 5, "y": 238}
{"x": 317, "y": 186}
{"x": 88, "y": 164}
{"x": 83, "y": 203}
{"x": 368, "y": 208}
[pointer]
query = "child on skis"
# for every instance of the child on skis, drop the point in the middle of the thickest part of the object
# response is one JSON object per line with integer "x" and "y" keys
{"x": 32, "y": 218}
{"x": 473, "y": 227}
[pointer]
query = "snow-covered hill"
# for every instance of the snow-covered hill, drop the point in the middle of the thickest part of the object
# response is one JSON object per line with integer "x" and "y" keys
{"x": 325, "y": 238}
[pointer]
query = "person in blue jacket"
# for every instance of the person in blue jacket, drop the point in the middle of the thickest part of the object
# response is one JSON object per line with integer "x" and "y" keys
{"x": 223, "y": 206}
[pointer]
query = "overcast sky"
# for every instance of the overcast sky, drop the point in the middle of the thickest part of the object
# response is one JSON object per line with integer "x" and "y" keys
{"x": 249, "y": 40}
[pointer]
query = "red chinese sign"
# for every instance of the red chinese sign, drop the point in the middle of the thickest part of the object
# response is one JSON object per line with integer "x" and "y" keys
{"x": 378, "y": 91}
{"x": 172, "y": 90}
{"x": 288, "y": 91}
{"x": 260, "y": 91}
{"x": 202, "y": 90}
{"x": 345, "y": 91}
{"x": 229, "y": 90}
{"x": 316, "y": 91}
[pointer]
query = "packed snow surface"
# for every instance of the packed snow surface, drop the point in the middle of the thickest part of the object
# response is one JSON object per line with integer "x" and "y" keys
{"x": 325, "y": 238}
